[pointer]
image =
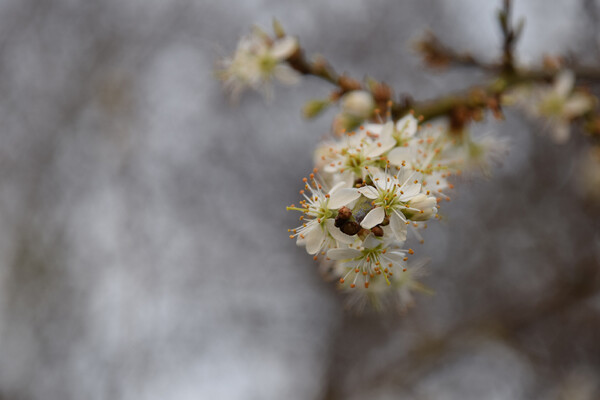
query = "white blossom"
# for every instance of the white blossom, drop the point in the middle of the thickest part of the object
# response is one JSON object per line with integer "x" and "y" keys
{"x": 397, "y": 294}
{"x": 318, "y": 231}
{"x": 398, "y": 198}
{"x": 373, "y": 260}
{"x": 346, "y": 159}
{"x": 257, "y": 60}
{"x": 390, "y": 135}
{"x": 484, "y": 152}
{"x": 556, "y": 105}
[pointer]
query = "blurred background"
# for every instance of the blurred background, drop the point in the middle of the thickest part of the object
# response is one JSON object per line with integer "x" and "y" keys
{"x": 143, "y": 243}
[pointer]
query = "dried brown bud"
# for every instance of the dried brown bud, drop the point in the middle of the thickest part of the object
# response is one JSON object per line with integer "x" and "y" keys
{"x": 433, "y": 52}
{"x": 377, "y": 231}
{"x": 345, "y": 213}
{"x": 382, "y": 93}
{"x": 350, "y": 228}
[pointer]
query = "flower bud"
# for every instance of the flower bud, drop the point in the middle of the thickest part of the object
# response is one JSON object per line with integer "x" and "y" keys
{"x": 358, "y": 104}
{"x": 350, "y": 228}
{"x": 377, "y": 231}
{"x": 278, "y": 28}
{"x": 427, "y": 205}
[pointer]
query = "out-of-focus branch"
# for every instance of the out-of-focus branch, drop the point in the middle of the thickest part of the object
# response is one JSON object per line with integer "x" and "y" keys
{"x": 510, "y": 35}
{"x": 460, "y": 107}
{"x": 319, "y": 68}
{"x": 437, "y": 55}
{"x": 466, "y": 104}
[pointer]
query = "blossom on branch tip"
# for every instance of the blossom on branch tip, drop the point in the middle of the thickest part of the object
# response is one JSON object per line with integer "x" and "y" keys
{"x": 556, "y": 105}
{"x": 257, "y": 60}
{"x": 484, "y": 152}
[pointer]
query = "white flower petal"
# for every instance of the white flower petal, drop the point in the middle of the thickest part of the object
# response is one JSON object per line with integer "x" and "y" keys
{"x": 343, "y": 254}
{"x": 330, "y": 169}
{"x": 371, "y": 171}
{"x": 374, "y": 128}
{"x": 388, "y": 130}
{"x": 374, "y": 217}
{"x": 398, "y": 225}
{"x": 578, "y": 104}
{"x": 396, "y": 257}
{"x": 410, "y": 191}
{"x": 384, "y": 181}
{"x": 337, "y": 186}
{"x": 407, "y": 125}
{"x": 400, "y": 155}
{"x": 352, "y": 264}
{"x": 283, "y": 48}
{"x": 371, "y": 241}
{"x": 369, "y": 192}
{"x": 563, "y": 83}
{"x": 314, "y": 239}
{"x": 405, "y": 174}
{"x": 342, "y": 197}
{"x": 337, "y": 234}
{"x": 285, "y": 74}
{"x": 380, "y": 146}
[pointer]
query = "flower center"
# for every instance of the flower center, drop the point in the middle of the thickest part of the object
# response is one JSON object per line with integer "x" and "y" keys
{"x": 553, "y": 105}
{"x": 355, "y": 162}
{"x": 388, "y": 199}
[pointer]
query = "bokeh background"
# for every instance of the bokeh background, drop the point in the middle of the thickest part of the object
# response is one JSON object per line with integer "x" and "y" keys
{"x": 143, "y": 243}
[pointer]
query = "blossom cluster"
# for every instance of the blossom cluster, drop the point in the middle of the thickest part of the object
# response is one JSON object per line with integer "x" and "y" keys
{"x": 371, "y": 191}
